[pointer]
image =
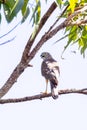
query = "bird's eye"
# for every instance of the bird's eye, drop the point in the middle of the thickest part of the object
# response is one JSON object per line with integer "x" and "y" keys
{"x": 42, "y": 55}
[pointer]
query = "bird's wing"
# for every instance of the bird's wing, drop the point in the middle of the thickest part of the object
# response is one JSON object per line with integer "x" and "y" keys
{"x": 50, "y": 70}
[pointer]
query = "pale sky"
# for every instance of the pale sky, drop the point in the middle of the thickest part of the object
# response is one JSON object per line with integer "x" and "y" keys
{"x": 66, "y": 113}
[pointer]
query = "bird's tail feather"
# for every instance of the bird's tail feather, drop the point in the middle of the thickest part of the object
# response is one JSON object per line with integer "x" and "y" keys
{"x": 54, "y": 91}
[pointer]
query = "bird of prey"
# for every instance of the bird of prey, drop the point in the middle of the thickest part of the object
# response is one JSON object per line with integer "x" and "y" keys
{"x": 50, "y": 71}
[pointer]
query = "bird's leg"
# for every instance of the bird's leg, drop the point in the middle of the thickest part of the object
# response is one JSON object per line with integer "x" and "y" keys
{"x": 46, "y": 86}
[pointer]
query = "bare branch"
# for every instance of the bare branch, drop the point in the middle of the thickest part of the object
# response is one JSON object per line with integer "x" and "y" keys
{"x": 41, "y": 96}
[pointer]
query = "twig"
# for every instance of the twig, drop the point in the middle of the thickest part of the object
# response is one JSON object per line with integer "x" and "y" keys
{"x": 9, "y": 31}
{"x": 7, "y": 41}
{"x": 58, "y": 19}
{"x": 41, "y": 96}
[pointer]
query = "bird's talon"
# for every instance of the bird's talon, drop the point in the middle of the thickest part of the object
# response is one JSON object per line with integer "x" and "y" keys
{"x": 44, "y": 93}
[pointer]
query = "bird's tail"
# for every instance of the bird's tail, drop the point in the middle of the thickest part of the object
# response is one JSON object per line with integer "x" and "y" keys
{"x": 54, "y": 90}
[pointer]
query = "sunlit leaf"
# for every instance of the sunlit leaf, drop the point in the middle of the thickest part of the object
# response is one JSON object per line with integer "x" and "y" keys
{"x": 81, "y": 42}
{"x": 24, "y": 7}
{"x": 72, "y": 4}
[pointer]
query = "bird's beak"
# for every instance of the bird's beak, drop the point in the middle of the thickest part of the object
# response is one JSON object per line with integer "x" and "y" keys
{"x": 41, "y": 56}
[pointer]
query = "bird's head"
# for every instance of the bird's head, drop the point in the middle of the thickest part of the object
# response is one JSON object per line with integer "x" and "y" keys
{"x": 45, "y": 55}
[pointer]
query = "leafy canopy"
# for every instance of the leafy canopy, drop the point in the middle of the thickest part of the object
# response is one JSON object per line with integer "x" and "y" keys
{"x": 76, "y": 32}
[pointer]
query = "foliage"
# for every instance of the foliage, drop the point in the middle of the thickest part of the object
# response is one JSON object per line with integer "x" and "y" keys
{"x": 11, "y": 9}
{"x": 75, "y": 32}
{"x": 78, "y": 32}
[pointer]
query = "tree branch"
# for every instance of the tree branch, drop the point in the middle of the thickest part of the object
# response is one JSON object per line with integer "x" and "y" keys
{"x": 41, "y": 96}
{"x": 80, "y": 11}
{"x": 80, "y": 22}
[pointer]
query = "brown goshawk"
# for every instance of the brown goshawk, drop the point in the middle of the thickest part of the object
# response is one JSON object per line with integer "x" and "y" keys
{"x": 50, "y": 70}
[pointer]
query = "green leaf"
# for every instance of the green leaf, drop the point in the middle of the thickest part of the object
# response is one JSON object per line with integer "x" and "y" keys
{"x": 11, "y": 8}
{"x": 25, "y": 11}
{"x": 7, "y": 12}
{"x": 17, "y": 7}
{"x": 73, "y": 29}
{"x": 36, "y": 13}
{"x": 59, "y": 2}
{"x": 0, "y": 18}
{"x": 72, "y": 35}
{"x": 10, "y": 3}
{"x": 0, "y": 5}
{"x": 66, "y": 3}
{"x": 25, "y": 15}
{"x": 81, "y": 42}
{"x": 39, "y": 10}
{"x": 24, "y": 8}
{"x": 67, "y": 29}
{"x": 83, "y": 49}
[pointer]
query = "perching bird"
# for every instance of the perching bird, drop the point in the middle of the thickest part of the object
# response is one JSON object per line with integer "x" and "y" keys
{"x": 50, "y": 70}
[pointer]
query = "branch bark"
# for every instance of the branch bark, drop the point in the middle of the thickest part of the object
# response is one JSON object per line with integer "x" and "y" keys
{"x": 41, "y": 96}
